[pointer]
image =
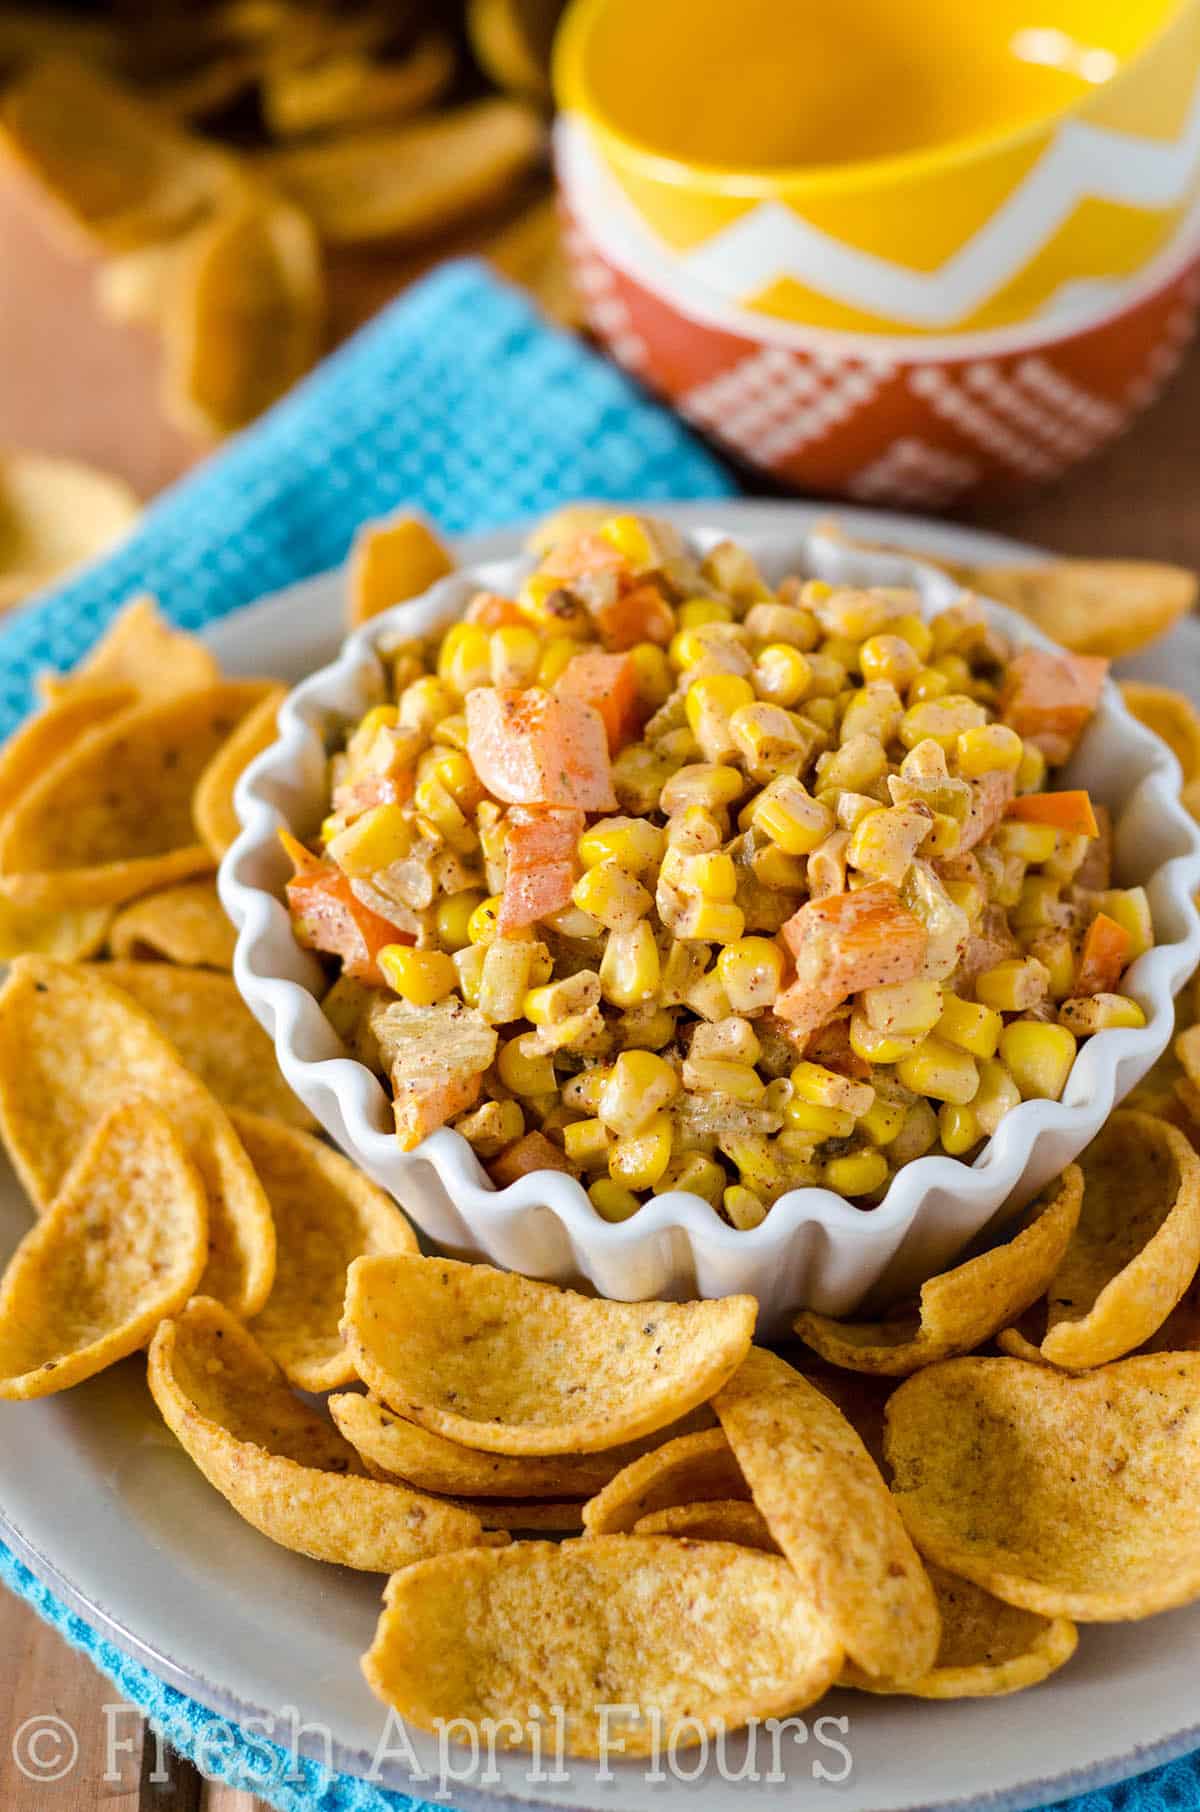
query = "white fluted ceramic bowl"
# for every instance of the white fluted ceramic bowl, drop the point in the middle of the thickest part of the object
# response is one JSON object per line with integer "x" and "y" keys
{"x": 814, "y": 1249}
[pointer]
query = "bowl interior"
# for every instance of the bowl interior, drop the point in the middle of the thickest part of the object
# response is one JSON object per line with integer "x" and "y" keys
{"x": 866, "y": 82}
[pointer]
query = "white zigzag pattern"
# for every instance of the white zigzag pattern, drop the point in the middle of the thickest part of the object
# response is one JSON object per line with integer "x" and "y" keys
{"x": 1083, "y": 162}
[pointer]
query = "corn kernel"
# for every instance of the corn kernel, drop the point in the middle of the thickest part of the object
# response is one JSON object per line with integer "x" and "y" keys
{"x": 482, "y": 924}
{"x": 919, "y": 1132}
{"x": 852, "y": 612}
{"x": 723, "y": 1076}
{"x": 379, "y": 837}
{"x": 781, "y": 674}
{"x": 638, "y": 1160}
{"x": 441, "y": 810}
{"x": 858, "y": 1173}
{"x": 522, "y": 1072}
{"x": 732, "y": 1037}
{"x": 1013, "y": 985}
{"x": 856, "y": 767}
{"x": 751, "y": 971}
{"x": 632, "y": 539}
{"x": 821, "y": 1122}
{"x": 941, "y": 1071}
{"x": 451, "y": 731}
{"x": 632, "y": 842}
{"x": 711, "y": 922}
{"x": 1100, "y": 1013}
{"x": 701, "y": 783}
{"x": 988, "y": 749}
{"x": 942, "y": 720}
{"x": 1056, "y": 952}
{"x": 972, "y": 1028}
{"x": 711, "y": 874}
{"x": 612, "y": 895}
{"x": 464, "y": 659}
{"x": 709, "y": 704}
{"x": 911, "y": 1007}
{"x": 515, "y": 655}
{"x": 638, "y": 1086}
{"x": 786, "y": 812}
{"x": 422, "y": 977}
{"x": 968, "y": 896}
{"x": 884, "y": 842}
{"x": 552, "y": 1002}
{"x": 889, "y": 657}
{"x": 468, "y": 963}
{"x": 582, "y": 1092}
{"x": 1038, "y": 1057}
{"x": 491, "y": 1127}
{"x": 1031, "y": 769}
{"x": 630, "y": 969}
{"x": 916, "y": 632}
{"x": 453, "y": 918}
{"x": 1037, "y": 909}
{"x": 697, "y": 1172}
{"x": 928, "y": 685}
{"x": 956, "y": 670}
{"x": 612, "y": 1201}
{"x": 425, "y": 703}
{"x": 743, "y": 1208}
{"x": 1030, "y": 843}
{"x": 694, "y": 611}
{"x": 645, "y": 1028}
{"x": 844, "y": 650}
{"x": 998, "y": 1095}
{"x": 875, "y": 711}
{"x": 586, "y": 1143}
{"x": 1131, "y": 909}
{"x": 826, "y": 1088}
{"x": 958, "y": 1128}
{"x": 707, "y": 997}
{"x": 882, "y": 1121}
{"x": 879, "y": 1047}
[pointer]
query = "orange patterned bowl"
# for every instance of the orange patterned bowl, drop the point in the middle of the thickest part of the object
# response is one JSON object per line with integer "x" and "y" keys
{"x": 914, "y": 421}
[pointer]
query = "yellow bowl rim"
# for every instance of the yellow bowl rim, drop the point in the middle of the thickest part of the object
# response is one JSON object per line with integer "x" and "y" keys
{"x": 572, "y": 95}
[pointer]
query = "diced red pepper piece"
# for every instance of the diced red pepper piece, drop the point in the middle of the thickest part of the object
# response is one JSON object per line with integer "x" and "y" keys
{"x": 531, "y": 747}
{"x": 1105, "y": 953}
{"x": 640, "y": 614}
{"x": 327, "y": 916}
{"x": 1067, "y": 811}
{"x": 543, "y": 864}
{"x": 421, "y": 1106}
{"x": 607, "y": 682}
{"x": 533, "y": 1152}
{"x": 846, "y": 942}
{"x": 1048, "y": 696}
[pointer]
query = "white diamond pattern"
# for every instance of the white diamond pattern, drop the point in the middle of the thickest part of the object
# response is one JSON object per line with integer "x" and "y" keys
{"x": 774, "y": 403}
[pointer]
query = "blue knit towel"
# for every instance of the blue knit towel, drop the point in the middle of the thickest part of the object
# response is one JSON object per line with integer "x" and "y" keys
{"x": 460, "y": 401}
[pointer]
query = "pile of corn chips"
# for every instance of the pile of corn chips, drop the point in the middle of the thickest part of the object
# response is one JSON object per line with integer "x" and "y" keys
{"x": 215, "y": 153}
{"x": 925, "y": 1504}
{"x": 54, "y": 514}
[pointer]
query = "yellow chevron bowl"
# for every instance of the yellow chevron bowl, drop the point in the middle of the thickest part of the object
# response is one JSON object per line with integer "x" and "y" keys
{"x": 870, "y": 168}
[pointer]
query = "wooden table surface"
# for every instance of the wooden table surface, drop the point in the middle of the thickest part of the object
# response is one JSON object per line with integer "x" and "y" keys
{"x": 73, "y": 383}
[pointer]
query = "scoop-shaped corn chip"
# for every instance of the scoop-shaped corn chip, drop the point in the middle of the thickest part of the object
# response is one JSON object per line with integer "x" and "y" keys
{"x": 963, "y": 1307}
{"x": 691, "y": 1468}
{"x": 511, "y": 40}
{"x": 151, "y": 181}
{"x": 391, "y": 561}
{"x": 1072, "y": 1496}
{"x": 861, "y": 1397}
{"x": 1136, "y": 1247}
{"x": 720, "y": 1519}
{"x": 326, "y": 1213}
{"x": 988, "y": 1648}
{"x": 829, "y": 1509}
{"x": 508, "y": 1365}
{"x": 1180, "y": 1332}
{"x": 212, "y": 807}
{"x": 72, "y": 1047}
{"x": 278, "y": 1463}
{"x": 705, "y": 1634}
{"x": 46, "y": 736}
{"x": 404, "y": 182}
{"x": 112, "y": 818}
{"x": 350, "y": 88}
{"x": 245, "y": 312}
{"x": 392, "y": 1447}
{"x": 1172, "y": 716}
{"x": 70, "y": 935}
{"x": 1110, "y": 607}
{"x": 541, "y": 1515}
{"x": 122, "y": 1245}
{"x": 142, "y": 650}
{"x": 55, "y": 513}
{"x": 215, "y": 1034}
{"x": 185, "y": 924}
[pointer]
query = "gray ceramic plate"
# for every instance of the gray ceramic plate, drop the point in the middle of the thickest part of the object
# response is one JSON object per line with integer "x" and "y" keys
{"x": 97, "y": 1498}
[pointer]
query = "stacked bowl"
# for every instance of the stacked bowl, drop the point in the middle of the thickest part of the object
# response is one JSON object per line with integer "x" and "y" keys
{"x": 900, "y": 255}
